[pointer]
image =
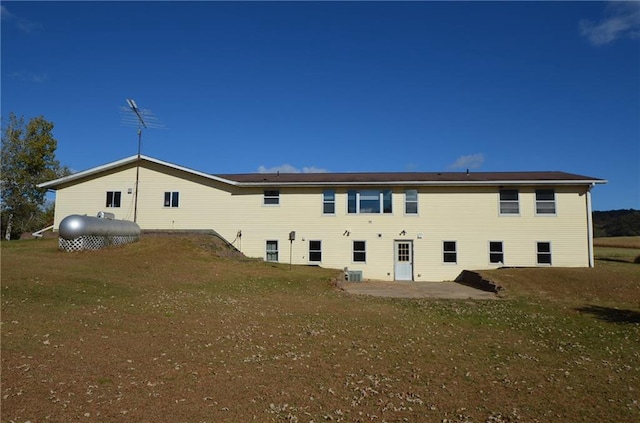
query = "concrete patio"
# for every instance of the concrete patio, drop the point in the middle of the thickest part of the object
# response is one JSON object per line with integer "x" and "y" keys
{"x": 401, "y": 289}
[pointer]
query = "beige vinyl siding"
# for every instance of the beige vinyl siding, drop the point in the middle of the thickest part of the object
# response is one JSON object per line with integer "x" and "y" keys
{"x": 89, "y": 196}
{"x": 468, "y": 215}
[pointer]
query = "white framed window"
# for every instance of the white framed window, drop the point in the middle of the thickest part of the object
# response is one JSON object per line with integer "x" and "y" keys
{"x": 271, "y": 197}
{"x": 329, "y": 202}
{"x": 411, "y": 201}
{"x": 545, "y": 201}
{"x": 449, "y": 252}
{"x": 113, "y": 198}
{"x": 369, "y": 201}
{"x": 544, "y": 253}
{"x": 271, "y": 251}
{"x": 359, "y": 251}
{"x": 496, "y": 252}
{"x": 315, "y": 251}
{"x": 509, "y": 202}
{"x": 171, "y": 199}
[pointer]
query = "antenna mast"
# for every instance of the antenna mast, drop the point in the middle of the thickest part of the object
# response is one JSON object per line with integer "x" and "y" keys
{"x": 138, "y": 117}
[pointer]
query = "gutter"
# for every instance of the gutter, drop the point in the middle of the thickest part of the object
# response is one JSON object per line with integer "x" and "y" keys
{"x": 420, "y": 183}
{"x": 590, "y": 226}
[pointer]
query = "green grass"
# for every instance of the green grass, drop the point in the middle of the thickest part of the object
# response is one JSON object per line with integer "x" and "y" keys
{"x": 171, "y": 329}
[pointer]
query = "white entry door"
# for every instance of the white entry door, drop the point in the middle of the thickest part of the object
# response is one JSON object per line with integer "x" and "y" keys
{"x": 403, "y": 260}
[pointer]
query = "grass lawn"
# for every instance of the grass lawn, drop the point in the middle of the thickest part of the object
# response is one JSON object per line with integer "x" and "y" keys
{"x": 177, "y": 329}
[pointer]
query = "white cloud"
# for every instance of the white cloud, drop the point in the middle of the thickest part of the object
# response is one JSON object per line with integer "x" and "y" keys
{"x": 287, "y": 168}
{"x": 5, "y": 14}
{"x": 22, "y": 24}
{"x": 471, "y": 161}
{"x": 29, "y": 76}
{"x": 622, "y": 20}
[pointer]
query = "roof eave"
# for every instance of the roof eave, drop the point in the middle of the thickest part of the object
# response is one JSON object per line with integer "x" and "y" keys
{"x": 422, "y": 183}
{"x": 128, "y": 160}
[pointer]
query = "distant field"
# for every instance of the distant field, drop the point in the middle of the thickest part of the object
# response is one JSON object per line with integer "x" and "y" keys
{"x": 176, "y": 329}
{"x": 624, "y": 248}
{"x": 618, "y": 241}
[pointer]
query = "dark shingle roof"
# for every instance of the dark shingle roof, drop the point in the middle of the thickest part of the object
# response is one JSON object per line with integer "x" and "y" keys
{"x": 407, "y": 177}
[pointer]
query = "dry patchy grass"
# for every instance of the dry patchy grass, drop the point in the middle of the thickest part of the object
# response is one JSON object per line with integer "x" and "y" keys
{"x": 173, "y": 329}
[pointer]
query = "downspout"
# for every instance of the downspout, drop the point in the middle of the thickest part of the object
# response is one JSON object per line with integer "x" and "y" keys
{"x": 589, "y": 226}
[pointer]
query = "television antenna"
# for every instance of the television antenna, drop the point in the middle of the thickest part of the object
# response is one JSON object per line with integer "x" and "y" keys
{"x": 142, "y": 118}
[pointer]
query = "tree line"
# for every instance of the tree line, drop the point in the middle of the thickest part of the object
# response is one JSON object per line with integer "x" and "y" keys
{"x": 28, "y": 158}
{"x": 616, "y": 223}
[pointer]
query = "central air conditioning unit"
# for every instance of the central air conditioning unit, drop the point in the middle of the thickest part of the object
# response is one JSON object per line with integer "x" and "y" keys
{"x": 353, "y": 275}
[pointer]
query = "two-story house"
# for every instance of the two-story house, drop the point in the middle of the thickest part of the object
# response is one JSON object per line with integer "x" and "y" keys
{"x": 391, "y": 226}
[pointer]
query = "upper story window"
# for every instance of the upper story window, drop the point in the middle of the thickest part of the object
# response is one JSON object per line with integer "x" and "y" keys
{"x": 411, "y": 201}
{"x": 509, "y": 203}
{"x": 171, "y": 199}
{"x": 271, "y": 198}
{"x": 113, "y": 198}
{"x": 369, "y": 201}
{"x": 545, "y": 201}
{"x": 329, "y": 202}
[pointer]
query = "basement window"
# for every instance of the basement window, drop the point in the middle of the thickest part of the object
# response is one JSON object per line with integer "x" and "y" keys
{"x": 449, "y": 252}
{"x": 496, "y": 253}
{"x": 359, "y": 251}
{"x": 315, "y": 251}
{"x": 272, "y": 251}
{"x": 544, "y": 253}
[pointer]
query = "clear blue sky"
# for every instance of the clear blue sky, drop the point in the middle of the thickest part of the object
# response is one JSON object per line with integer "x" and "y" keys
{"x": 337, "y": 86}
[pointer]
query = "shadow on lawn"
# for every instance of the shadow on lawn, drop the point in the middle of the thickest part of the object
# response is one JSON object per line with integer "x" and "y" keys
{"x": 613, "y": 315}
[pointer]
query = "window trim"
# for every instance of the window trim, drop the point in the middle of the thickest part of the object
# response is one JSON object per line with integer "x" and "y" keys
{"x": 555, "y": 205}
{"x": 267, "y": 251}
{"x": 326, "y": 202}
{"x": 174, "y": 200}
{"x": 112, "y": 204}
{"x": 385, "y": 198}
{"x": 446, "y": 252}
{"x": 354, "y": 251}
{"x": 506, "y": 201}
{"x": 538, "y": 253}
{"x": 271, "y": 200}
{"x": 407, "y": 202}
{"x": 316, "y": 251}
{"x": 492, "y": 252}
